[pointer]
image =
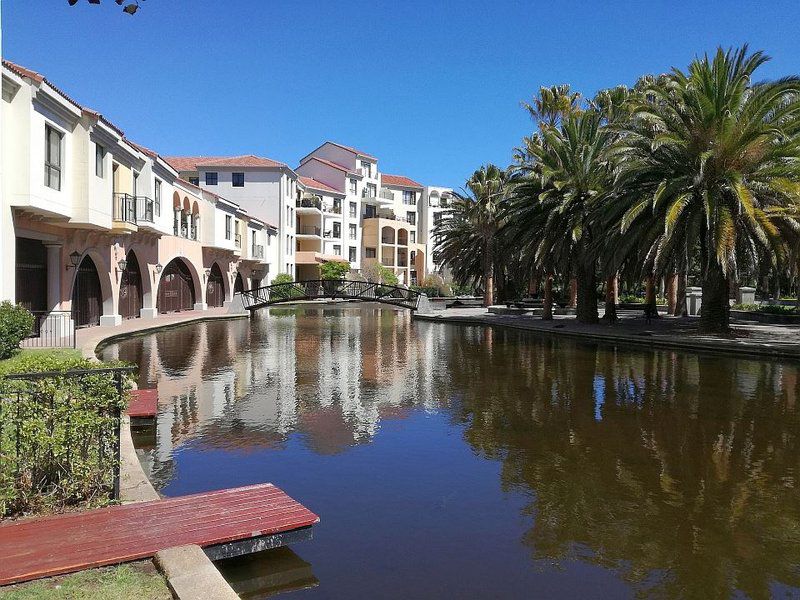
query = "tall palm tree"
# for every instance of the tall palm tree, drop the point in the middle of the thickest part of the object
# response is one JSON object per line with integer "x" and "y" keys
{"x": 469, "y": 233}
{"x": 705, "y": 164}
{"x": 575, "y": 178}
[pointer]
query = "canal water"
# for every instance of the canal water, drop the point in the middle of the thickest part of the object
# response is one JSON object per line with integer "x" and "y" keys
{"x": 464, "y": 462}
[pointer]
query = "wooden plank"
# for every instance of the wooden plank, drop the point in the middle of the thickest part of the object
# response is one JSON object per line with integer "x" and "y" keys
{"x": 143, "y": 404}
{"x": 64, "y": 543}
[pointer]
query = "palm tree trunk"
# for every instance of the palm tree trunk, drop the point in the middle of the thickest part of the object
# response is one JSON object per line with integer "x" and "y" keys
{"x": 586, "y": 280}
{"x": 650, "y": 296}
{"x": 714, "y": 314}
{"x": 681, "y": 310}
{"x": 547, "y": 309}
{"x": 488, "y": 276}
{"x": 610, "y": 315}
{"x": 573, "y": 293}
{"x": 671, "y": 285}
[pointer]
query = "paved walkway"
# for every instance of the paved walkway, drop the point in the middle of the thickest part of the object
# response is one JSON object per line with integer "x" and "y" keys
{"x": 87, "y": 338}
{"x": 748, "y": 338}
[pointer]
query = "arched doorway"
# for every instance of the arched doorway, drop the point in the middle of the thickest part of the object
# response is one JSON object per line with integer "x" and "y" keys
{"x": 215, "y": 287}
{"x": 176, "y": 289}
{"x": 238, "y": 285}
{"x": 130, "y": 288}
{"x": 87, "y": 297}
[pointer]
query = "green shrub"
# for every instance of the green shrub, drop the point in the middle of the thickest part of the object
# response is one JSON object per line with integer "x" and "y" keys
{"x": 334, "y": 269}
{"x": 770, "y": 309}
{"x": 282, "y": 278}
{"x": 631, "y": 299}
{"x": 288, "y": 291}
{"x": 462, "y": 290}
{"x": 57, "y": 435}
{"x": 387, "y": 276}
{"x": 16, "y": 323}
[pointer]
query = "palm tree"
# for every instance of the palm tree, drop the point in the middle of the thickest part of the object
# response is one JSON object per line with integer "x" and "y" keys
{"x": 468, "y": 234}
{"x": 705, "y": 164}
{"x": 574, "y": 180}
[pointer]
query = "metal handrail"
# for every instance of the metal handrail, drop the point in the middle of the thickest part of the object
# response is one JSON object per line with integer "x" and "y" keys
{"x": 124, "y": 208}
{"x": 260, "y": 297}
{"x": 145, "y": 209}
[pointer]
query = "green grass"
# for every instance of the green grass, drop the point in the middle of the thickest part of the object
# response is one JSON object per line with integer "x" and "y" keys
{"x": 28, "y": 354}
{"x": 139, "y": 581}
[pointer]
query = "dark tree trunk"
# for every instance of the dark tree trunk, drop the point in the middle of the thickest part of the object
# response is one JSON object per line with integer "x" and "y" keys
{"x": 671, "y": 287}
{"x": 650, "y": 297}
{"x": 488, "y": 276}
{"x": 681, "y": 310}
{"x": 714, "y": 313}
{"x": 586, "y": 280}
{"x": 610, "y": 315}
{"x": 547, "y": 308}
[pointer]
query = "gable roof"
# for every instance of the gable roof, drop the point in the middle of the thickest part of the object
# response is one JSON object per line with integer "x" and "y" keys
{"x": 191, "y": 163}
{"x": 351, "y": 149}
{"x": 314, "y": 184}
{"x": 331, "y": 164}
{"x": 401, "y": 180}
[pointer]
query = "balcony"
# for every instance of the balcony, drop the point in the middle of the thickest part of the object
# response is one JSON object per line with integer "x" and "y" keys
{"x": 389, "y": 215}
{"x": 383, "y": 198}
{"x": 257, "y": 252}
{"x": 314, "y": 203}
{"x": 145, "y": 210}
{"x": 333, "y": 210}
{"x": 309, "y": 230}
{"x": 334, "y": 235}
{"x": 124, "y": 213}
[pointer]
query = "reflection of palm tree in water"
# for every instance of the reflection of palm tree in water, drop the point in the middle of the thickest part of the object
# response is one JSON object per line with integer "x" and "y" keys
{"x": 676, "y": 469}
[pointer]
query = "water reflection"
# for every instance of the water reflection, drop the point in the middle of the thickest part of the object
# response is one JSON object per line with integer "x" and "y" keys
{"x": 676, "y": 472}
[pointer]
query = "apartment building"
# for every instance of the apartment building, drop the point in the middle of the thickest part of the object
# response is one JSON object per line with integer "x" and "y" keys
{"x": 97, "y": 229}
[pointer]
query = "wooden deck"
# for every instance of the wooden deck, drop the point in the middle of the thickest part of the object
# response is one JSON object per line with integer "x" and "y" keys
{"x": 64, "y": 543}
{"x": 144, "y": 404}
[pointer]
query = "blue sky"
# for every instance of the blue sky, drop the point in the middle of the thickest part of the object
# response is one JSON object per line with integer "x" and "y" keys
{"x": 431, "y": 88}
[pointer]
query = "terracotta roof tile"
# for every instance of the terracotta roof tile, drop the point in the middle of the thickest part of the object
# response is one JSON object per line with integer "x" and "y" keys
{"x": 312, "y": 183}
{"x": 191, "y": 163}
{"x": 399, "y": 180}
{"x": 351, "y": 149}
{"x": 332, "y": 164}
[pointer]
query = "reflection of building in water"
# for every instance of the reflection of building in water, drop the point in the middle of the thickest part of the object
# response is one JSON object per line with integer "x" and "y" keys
{"x": 331, "y": 374}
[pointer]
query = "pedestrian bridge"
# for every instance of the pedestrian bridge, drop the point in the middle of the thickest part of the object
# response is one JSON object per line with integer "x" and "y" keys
{"x": 333, "y": 289}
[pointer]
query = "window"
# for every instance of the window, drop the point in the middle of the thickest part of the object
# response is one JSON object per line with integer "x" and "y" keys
{"x": 337, "y": 229}
{"x": 194, "y": 180}
{"x": 157, "y": 194}
{"x": 52, "y": 158}
{"x": 367, "y": 167}
{"x": 337, "y": 249}
{"x": 228, "y": 224}
{"x": 409, "y": 197}
{"x": 370, "y": 253}
{"x": 370, "y": 212}
{"x": 238, "y": 179}
{"x": 352, "y": 254}
{"x": 352, "y": 228}
{"x": 211, "y": 178}
{"x": 354, "y": 187}
{"x": 411, "y": 217}
{"x": 437, "y": 218}
{"x": 288, "y": 244}
{"x": 99, "y": 160}
{"x": 337, "y": 206}
{"x": 413, "y": 237}
{"x": 370, "y": 191}
{"x": 353, "y": 210}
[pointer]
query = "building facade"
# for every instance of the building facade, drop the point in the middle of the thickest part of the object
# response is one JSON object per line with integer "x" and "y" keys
{"x": 96, "y": 228}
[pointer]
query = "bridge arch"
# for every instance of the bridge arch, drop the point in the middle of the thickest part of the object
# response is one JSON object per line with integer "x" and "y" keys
{"x": 343, "y": 289}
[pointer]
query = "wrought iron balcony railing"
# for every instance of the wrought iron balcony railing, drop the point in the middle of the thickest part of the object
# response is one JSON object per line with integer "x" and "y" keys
{"x": 124, "y": 208}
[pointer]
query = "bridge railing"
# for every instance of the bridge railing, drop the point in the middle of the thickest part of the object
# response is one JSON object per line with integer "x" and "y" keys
{"x": 330, "y": 288}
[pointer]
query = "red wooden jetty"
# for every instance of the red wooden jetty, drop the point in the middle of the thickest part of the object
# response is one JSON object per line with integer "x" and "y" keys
{"x": 262, "y": 516}
{"x": 143, "y": 404}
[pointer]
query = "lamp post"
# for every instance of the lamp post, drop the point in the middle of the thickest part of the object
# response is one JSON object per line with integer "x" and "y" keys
{"x": 74, "y": 260}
